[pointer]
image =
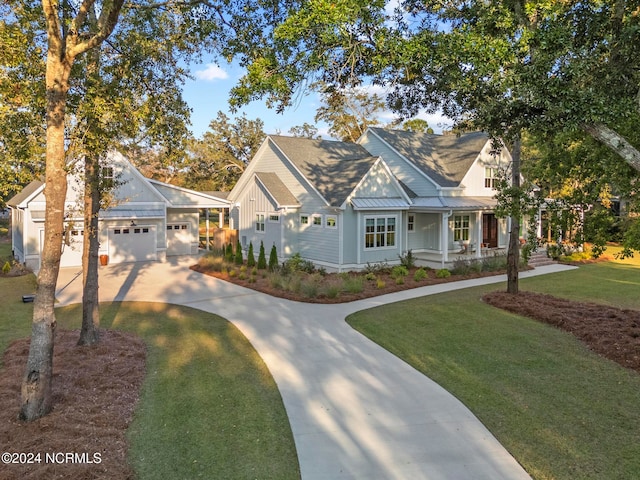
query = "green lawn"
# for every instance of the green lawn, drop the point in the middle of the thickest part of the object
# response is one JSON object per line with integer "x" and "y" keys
{"x": 562, "y": 411}
{"x": 209, "y": 406}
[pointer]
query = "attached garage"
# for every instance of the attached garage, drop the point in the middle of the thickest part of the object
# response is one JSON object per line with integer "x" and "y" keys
{"x": 132, "y": 243}
{"x": 71, "y": 247}
{"x": 179, "y": 238}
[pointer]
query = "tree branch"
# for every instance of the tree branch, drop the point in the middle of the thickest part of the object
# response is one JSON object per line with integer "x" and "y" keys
{"x": 615, "y": 142}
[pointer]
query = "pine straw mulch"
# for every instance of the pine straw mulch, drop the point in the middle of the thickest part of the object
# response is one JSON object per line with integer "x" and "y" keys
{"x": 611, "y": 332}
{"x": 95, "y": 391}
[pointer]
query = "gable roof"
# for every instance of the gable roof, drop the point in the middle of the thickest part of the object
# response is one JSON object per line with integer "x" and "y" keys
{"x": 26, "y": 194}
{"x": 445, "y": 159}
{"x": 184, "y": 197}
{"x": 332, "y": 168}
{"x": 277, "y": 189}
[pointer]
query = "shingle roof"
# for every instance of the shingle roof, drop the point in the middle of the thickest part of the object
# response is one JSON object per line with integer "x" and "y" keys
{"x": 277, "y": 189}
{"x": 443, "y": 158}
{"x": 333, "y": 168}
{"x": 25, "y": 193}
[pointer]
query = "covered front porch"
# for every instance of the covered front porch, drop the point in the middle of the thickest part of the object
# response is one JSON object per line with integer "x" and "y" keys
{"x": 441, "y": 230}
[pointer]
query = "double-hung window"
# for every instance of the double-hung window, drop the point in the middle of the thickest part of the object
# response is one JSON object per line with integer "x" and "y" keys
{"x": 461, "y": 228}
{"x": 259, "y": 222}
{"x": 490, "y": 177}
{"x": 379, "y": 232}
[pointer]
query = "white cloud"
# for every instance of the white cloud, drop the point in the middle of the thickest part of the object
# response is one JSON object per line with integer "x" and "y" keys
{"x": 211, "y": 73}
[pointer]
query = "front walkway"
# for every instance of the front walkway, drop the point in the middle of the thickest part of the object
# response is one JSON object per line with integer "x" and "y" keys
{"x": 356, "y": 411}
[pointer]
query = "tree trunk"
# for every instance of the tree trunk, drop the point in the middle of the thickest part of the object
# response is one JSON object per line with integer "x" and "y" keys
{"x": 36, "y": 383}
{"x": 513, "y": 254}
{"x": 615, "y": 142}
{"x": 90, "y": 305}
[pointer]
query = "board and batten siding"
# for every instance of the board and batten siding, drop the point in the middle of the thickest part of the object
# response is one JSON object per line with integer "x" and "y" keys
{"x": 255, "y": 200}
{"x": 404, "y": 172}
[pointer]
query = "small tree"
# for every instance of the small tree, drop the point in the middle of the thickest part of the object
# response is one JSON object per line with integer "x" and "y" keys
{"x": 238, "y": 258}
{"x": 228, "y": 254}
{"x": 262, "y": 259}
{"x": 251, "y": 260}
{"x": 273, "y": 258}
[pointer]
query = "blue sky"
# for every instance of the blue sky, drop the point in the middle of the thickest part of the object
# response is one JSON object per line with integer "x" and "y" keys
{"x": 208, "y": 93}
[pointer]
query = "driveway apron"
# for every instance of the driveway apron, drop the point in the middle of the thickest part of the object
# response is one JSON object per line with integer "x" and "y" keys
{"x": 356, "y": 411}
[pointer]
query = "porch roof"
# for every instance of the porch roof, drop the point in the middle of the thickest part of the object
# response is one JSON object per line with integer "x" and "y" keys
{"x": 454, "y": 203}
{"x": 379, "y": 203}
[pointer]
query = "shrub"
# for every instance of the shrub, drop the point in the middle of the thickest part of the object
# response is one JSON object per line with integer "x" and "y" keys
{"x": 494, "y": 263}
{"x": 232, "y": 273}
{"x": 252, "y": 279}
{"x": 273, "y": 259}
{"x": 238, "y": 260}
{"x": 332, "y": 291}
{"x": 242, "y": 276}
{"x": 399, "y": 280}
{"x": 381, "y": 267}
{"x": 6, "y": 268}
{"x": 251, "y": 259}
{"x": 407, "y": 260}
{"x": 461, "y": 266}
{"x": 228, "y": 254}
{"x": 443, "y": 273}
{"x": 262, "y": 259}
{"x": 381, "y": 283}
{"x": 420, "y": 275}
{"x": 370, "y": 276}
{"x": 297, "y": 264}
{"x": 353, "y": 284}
{"x": 399, "y": 271}
{"x": 212, "y": 261}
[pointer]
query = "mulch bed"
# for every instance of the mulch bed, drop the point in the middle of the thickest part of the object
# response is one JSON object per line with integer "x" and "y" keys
{"x": 95, "y": 391}
{"x": 611, "y": 332}
{"x": 370, "y": 287}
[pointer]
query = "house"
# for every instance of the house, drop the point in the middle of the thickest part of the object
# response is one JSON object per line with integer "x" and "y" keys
{"x": 344, "y": 205}
{"x": 146, "y": 219}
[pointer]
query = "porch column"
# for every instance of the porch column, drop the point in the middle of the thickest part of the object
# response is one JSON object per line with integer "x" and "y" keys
{"x": 221, "y": 218}
{"x": 478, "y": 234}
{"x": 206, "y": 223}
{"x": 444, "y": 237}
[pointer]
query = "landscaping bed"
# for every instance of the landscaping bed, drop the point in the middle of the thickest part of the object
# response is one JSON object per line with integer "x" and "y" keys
{"x": 298, "y": 280}
{"x": 95, "y": 391}
{"x": 611, "y": 332}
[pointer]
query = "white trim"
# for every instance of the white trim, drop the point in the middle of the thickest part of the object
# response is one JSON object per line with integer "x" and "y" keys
{"x": 326, "y": 222}
{"x": 385, "y": 233}
{"x": 313, "y": 223}
{"x": 257, "y": 221}
{"x": 407, "y": 161}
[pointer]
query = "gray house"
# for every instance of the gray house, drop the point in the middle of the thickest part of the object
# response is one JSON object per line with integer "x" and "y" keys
{"x": 344, "y": 205}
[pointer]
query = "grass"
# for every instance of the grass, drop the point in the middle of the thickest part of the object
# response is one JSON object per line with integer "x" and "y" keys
{"x": 209, "y": 407}
{"x": 562, "y": 411}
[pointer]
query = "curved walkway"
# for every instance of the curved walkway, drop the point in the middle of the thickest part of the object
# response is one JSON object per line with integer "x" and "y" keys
{"x": 356, "y": 411}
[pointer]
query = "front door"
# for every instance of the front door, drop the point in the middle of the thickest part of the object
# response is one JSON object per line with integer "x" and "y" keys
{"x": 490, "y": 230}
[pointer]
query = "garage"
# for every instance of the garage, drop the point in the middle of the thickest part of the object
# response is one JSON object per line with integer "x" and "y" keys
{"x": 132, "y": 244}
{"x": 179, "y": 239}
{"x": 71, "y": 247}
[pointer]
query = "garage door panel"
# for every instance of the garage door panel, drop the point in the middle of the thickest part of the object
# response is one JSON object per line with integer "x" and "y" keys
{"x": 178, "y": 239}
{"x": 132, "y": 244}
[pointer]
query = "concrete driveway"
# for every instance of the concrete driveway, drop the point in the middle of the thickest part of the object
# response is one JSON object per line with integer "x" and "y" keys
{"x": 356, "y": 411}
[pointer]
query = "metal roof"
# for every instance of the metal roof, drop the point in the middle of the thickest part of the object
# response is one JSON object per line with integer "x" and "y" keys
{"x": 379, "y": 203}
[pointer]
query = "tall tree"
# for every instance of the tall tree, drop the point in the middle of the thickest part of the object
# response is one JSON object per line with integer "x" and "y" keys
{"x": 67, "y": 39}
{"x": 349, "y": 112}
{"x": 305, "y": 130}
{"x": 218, "y": 159}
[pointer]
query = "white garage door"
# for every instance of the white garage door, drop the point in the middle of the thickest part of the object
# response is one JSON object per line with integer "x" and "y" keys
{"x": 178, "y": 239}
{"x": 71, "y": 247}
{"x": 132, "y": 244}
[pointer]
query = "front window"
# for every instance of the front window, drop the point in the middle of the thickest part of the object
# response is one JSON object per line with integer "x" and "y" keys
{"x": 461, "y": 228}
{"x": 331, "y": 221}
{"x": 411, "y": 223}
{"x": 490, "y": 177}
{"x": 274, "y": 218}
{"x": 317, "y": 220}
{"x": 380, "y": 232}
{"x": 259, "y": 222}
{"x": 107, "y": 177}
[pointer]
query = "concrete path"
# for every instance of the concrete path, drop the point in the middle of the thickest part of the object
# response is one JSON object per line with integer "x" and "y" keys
{"x": 356, "y": 411}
